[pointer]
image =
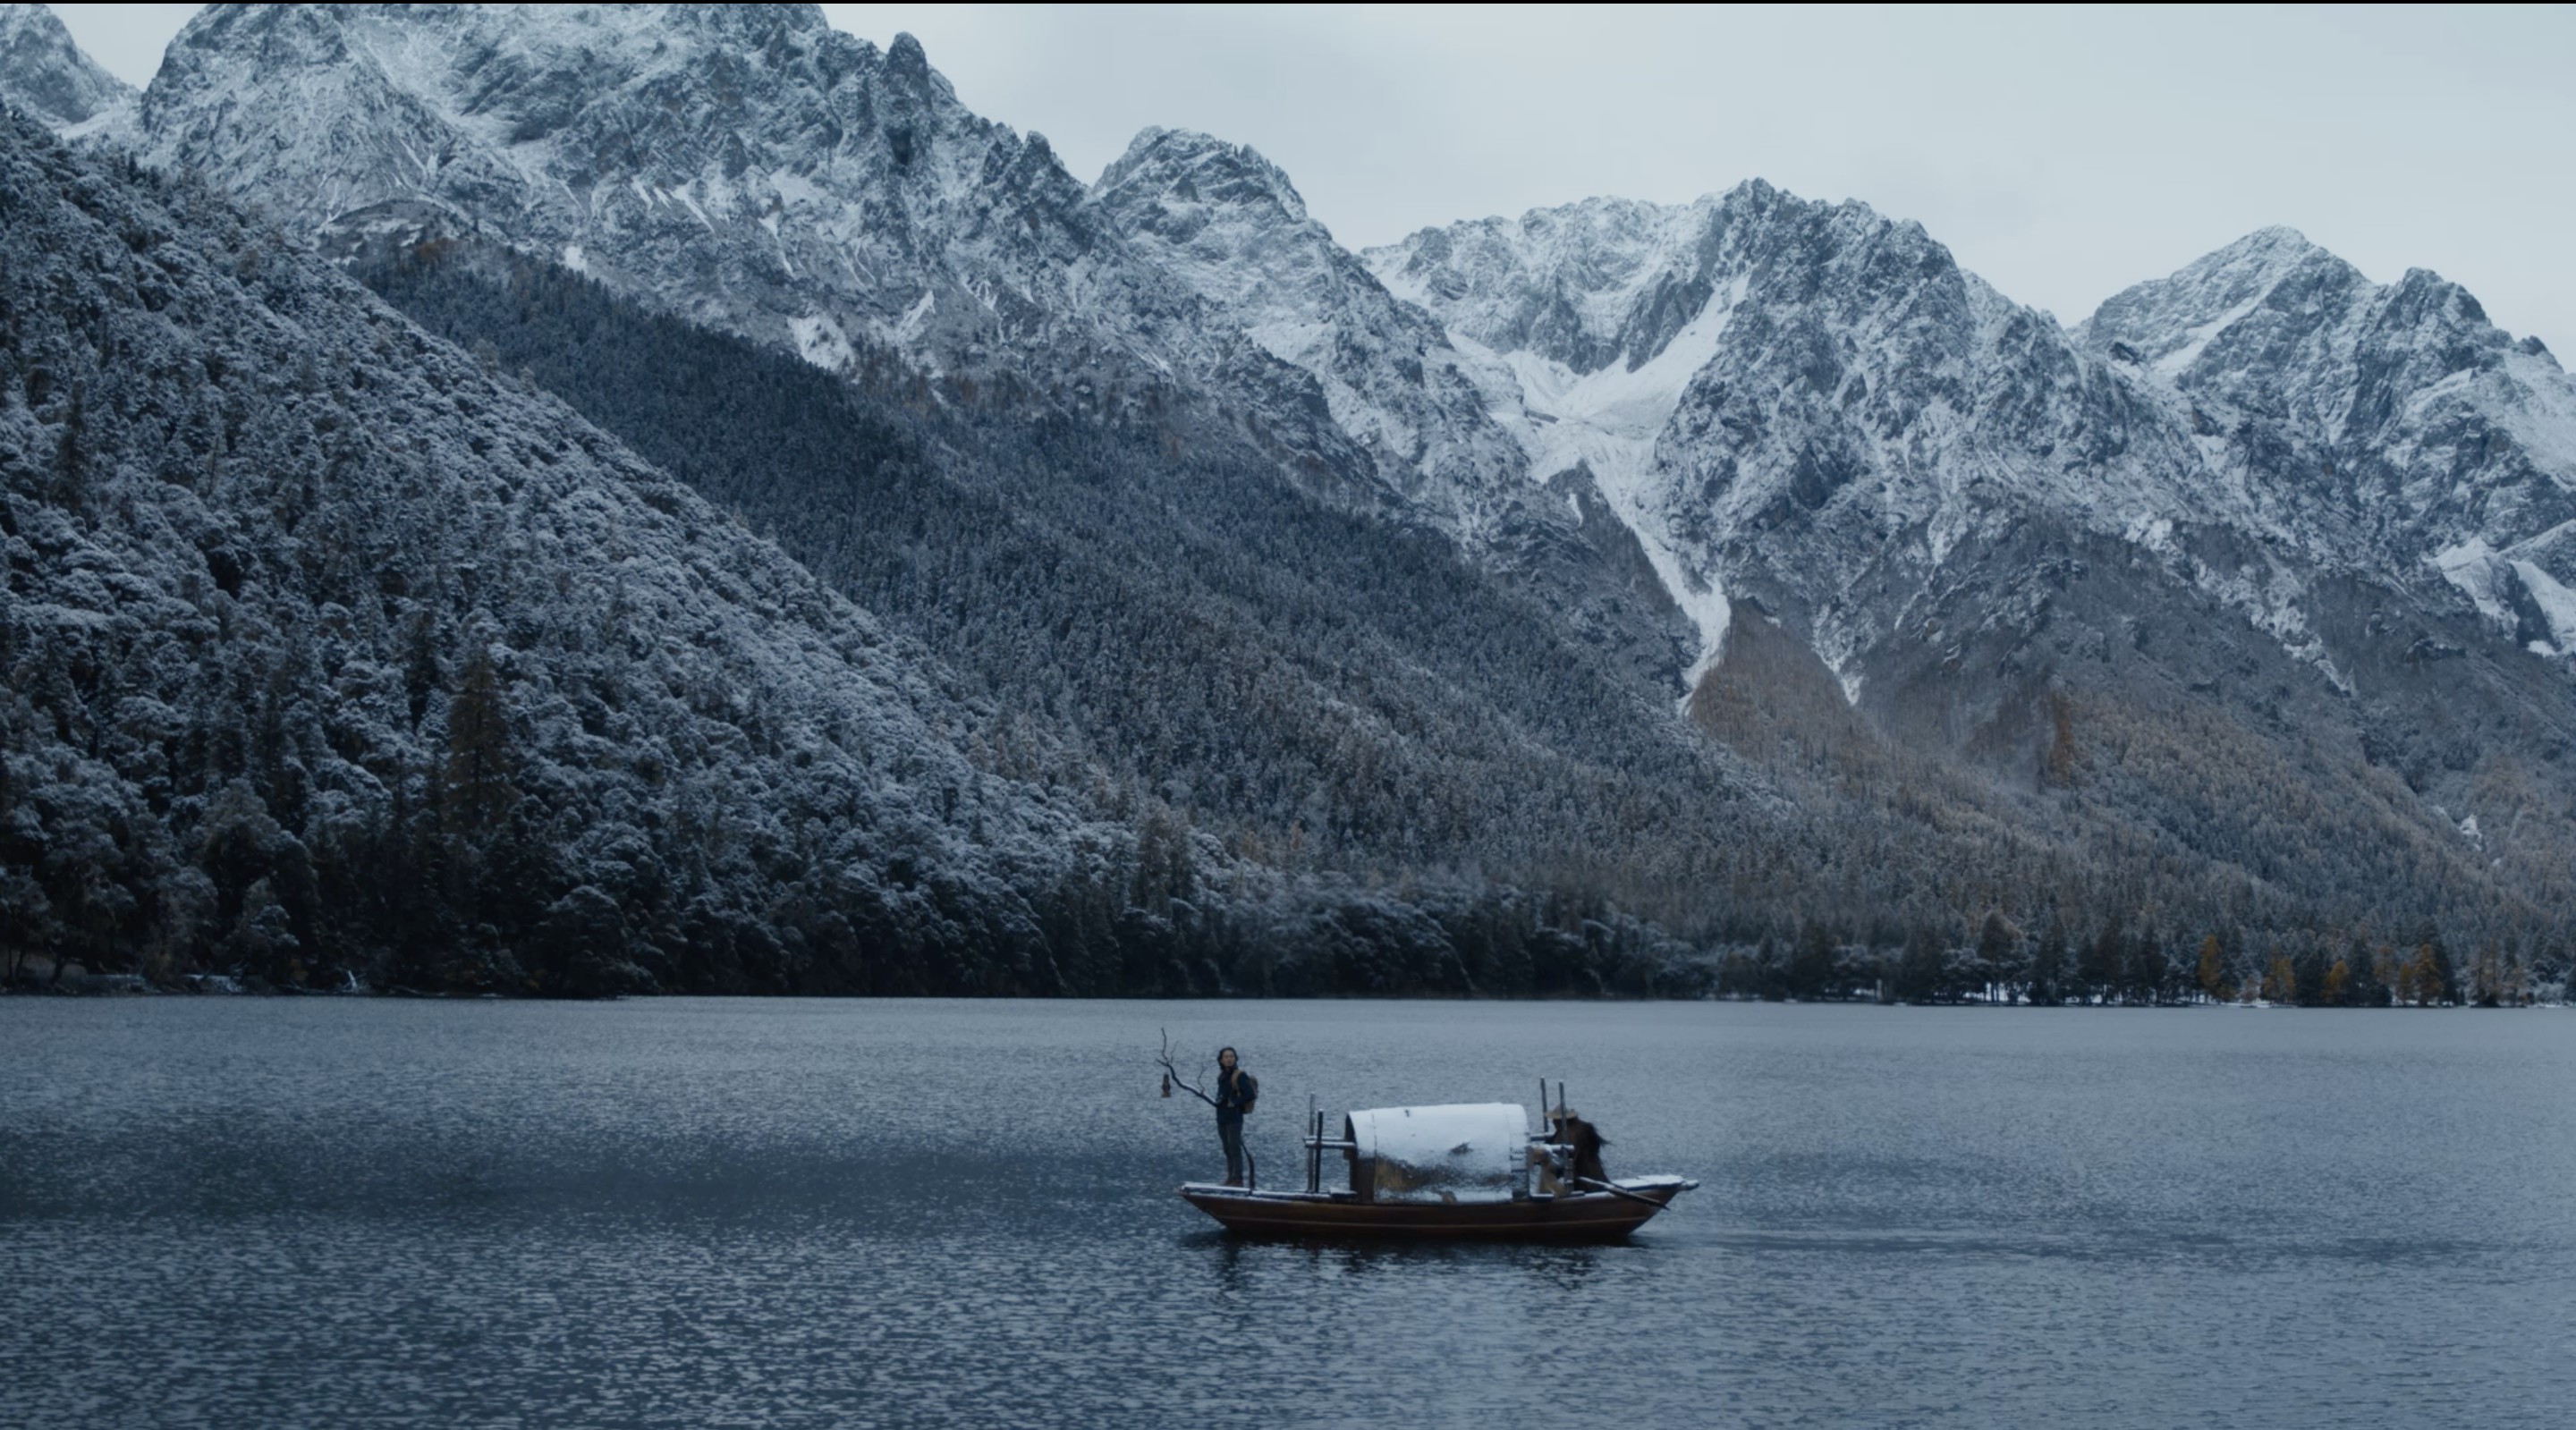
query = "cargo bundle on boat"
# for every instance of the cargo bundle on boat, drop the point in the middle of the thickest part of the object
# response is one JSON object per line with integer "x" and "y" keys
{"x": 1459, "y": 1171}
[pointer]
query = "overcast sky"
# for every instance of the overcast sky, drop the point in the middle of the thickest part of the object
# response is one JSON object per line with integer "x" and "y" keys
{"x": 2063, "y": 155}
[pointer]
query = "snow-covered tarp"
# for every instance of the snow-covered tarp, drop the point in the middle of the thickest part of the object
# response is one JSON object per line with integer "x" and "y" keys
{"x": 1471, "y": 1152}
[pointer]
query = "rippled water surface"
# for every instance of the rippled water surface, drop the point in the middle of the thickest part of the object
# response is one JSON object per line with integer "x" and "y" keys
{"x": 357, "y": 1212}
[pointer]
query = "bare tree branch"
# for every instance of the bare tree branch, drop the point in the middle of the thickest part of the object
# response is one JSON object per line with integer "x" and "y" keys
{"x": 1174, "y": 1073}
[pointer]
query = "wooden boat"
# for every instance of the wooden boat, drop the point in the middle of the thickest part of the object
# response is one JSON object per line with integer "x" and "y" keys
{"x": 1470, "y": 1171}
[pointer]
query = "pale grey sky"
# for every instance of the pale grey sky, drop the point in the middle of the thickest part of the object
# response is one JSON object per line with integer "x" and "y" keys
{"x": 2061, "y": 154}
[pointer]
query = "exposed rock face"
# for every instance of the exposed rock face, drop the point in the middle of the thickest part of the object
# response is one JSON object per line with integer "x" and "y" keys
{"x": 44, "y": 76}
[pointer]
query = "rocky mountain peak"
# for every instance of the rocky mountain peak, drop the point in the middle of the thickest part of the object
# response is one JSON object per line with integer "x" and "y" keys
{"x": 1227, "y": 226}
{"x": 46, "y": 76}
{"x": 746, "y": 164}
{"x": 906, "y": 58}
{"x": 2167, "y": 324}
{"x": 1612, "y": 282}
{"x": 1182, "y": 167}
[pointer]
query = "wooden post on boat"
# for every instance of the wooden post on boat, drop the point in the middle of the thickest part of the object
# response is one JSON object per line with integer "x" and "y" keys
{"x": 1314, "y": 1147}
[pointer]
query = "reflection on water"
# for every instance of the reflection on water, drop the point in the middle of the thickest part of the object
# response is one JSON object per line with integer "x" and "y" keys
{"x": 369, "y": 1212}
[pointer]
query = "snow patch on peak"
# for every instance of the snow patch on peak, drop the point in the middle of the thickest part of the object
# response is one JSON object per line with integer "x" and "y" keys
{"x": 2556, "y": 602}
{"x": 2274, "y": 246}
{"x": 915, "y": 318}
{"x": 2195, "y": 339}
{"x": 2471, "y": 566}
{"x": 1607, "y": 420}
{"x": 1586, "y": 285}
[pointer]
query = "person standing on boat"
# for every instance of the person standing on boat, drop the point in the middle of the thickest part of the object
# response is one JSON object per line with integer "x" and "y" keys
{"x": 1236, "y": 1091}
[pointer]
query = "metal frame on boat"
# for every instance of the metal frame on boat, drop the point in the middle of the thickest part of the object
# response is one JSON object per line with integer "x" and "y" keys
{"x": 1456, "y": 1172}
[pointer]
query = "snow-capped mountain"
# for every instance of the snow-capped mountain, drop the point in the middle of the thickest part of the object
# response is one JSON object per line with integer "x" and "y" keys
{"x": 2258, "y": 537}
{"x": 2389, "y": 428}
{"x": 2309, "y": 520}
{"x": 44, "y": 76}
{"x": 748, "y": 167}
{"x": 743, "y": 165}
{"x": 1818, "y": 403}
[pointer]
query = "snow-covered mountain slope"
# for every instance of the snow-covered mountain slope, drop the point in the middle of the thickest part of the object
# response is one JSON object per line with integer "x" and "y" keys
{"x": 1744, "y": 363}
{"x": 330, "y": 649}
{"x": 46, "y": 77}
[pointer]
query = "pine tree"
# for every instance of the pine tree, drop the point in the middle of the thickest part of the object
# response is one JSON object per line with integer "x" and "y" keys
{"x": 2145, "y": 972}
{"x": 2309, "y": 963}
{"x": 2366, "y": 987}
{"x": 2048, "y": 966}
{"x": 2444, "y": 975}
{"x": 476, "y": 794}
{"x": 1996, "y": 946}
{"x": 1919, "y": 973}
{"x": 2213, "y": 969}
{"x": 2097, "y": 975}
{"x": 1811, "y": 968}
{"x": 2487, "y": 977}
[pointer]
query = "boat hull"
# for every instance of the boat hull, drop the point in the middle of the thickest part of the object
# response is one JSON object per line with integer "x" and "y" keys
{"x": 1583, "y": 1216}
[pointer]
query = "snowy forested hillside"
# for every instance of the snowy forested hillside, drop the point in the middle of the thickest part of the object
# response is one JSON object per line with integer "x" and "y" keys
{"x": 330, "y": 651}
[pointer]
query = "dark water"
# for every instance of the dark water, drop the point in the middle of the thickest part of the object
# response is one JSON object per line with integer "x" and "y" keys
{"x": 368, "y": 1212}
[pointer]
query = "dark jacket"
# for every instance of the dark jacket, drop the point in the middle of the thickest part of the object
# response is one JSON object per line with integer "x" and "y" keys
{"x": 1235, "y": 1092}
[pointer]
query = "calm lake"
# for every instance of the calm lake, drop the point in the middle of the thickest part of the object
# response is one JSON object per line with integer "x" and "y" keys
{"x": 361, "y": 1212}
